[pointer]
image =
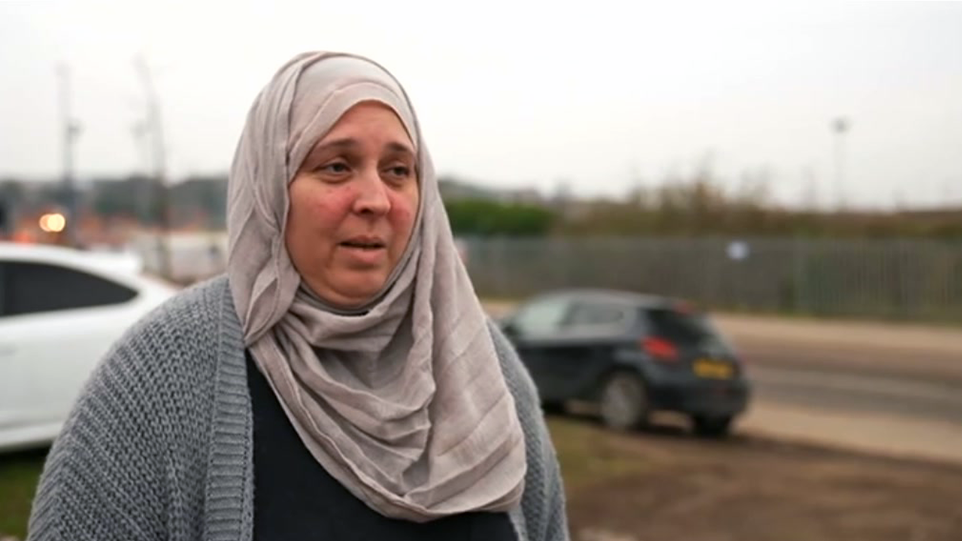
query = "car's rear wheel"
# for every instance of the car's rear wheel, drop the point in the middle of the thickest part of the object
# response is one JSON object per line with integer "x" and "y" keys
{"x": 624, "y": 402}
{"x": 552, "y": 407}
{"x": 712, "y": 426}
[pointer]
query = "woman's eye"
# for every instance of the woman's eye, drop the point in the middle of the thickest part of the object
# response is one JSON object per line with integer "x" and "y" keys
{"x": 336, "y": 168}
{"x": 399, "y": 171}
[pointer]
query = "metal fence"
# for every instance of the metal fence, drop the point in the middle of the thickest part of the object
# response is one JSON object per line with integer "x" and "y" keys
{"x": 901, "y": 279}
{"x": 910, "y": 279}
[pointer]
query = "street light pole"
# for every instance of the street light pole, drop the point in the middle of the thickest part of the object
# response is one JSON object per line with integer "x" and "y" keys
{"x": 154, "y": 128}
{"x": 71, "y": 131}
{"x": 839, "y": 126}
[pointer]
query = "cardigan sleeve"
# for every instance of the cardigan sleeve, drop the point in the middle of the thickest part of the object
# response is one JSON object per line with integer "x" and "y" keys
{"x": 543, "y": 503}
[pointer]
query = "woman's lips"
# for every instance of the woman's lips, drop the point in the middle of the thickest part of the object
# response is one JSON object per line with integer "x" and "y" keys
{"x": 364, "y": 253}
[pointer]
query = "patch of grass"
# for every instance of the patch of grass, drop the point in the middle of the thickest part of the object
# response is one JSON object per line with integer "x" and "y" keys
{"x": 19, "y": 473}
{"x": 590, "y": 454}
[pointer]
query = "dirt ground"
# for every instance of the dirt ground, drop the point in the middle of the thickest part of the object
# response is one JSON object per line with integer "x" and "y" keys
{"x": 662, "y": 484}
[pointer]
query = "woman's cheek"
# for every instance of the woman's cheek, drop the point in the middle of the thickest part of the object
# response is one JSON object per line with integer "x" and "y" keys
{"x": 403, "y": 212}
{"x": 335, "y": 201}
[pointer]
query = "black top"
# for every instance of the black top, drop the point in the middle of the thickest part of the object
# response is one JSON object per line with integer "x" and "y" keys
{"x": 296, "y": 499}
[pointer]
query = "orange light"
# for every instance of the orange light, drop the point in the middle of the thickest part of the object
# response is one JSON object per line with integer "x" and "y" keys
{"x": 23, "y": 237}
{"x": 53, "y": 223}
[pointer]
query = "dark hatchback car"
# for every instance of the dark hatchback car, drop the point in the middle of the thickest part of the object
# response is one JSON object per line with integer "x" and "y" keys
{"x": 631, "y": 355}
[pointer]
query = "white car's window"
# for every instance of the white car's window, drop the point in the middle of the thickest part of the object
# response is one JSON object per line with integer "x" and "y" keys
{"x": 29, "y": 288}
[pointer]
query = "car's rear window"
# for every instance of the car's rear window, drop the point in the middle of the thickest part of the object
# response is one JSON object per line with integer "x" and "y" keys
{"x": 680, "y": 327}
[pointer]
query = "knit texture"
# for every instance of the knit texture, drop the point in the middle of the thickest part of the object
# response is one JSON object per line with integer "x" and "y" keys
{"x": 159, "y": 445}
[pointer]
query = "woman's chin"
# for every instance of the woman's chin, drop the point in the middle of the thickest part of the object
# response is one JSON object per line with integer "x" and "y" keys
{"x": 350, "y": 294}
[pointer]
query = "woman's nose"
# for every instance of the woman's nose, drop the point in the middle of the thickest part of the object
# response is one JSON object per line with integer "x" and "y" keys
{"x": 372, "y": 194}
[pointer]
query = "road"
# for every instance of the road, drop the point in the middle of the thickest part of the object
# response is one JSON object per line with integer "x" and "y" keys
{"x": 889, "y": 389}
{"x": 885, "y": 388}
{"x": 858, "y": 392}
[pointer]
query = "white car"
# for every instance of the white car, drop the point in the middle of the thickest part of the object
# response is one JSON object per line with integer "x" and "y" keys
{"x": 60, "y": 311}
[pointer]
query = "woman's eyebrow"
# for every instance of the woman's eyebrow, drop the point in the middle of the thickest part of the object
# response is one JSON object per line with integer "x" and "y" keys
{"x": 350, "y": 142}
{"x": 347, "y": 142}
{"x": 400, "y": 148}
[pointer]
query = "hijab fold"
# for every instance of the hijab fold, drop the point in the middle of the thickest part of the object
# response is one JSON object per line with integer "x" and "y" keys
{"x": 402, "y": 400}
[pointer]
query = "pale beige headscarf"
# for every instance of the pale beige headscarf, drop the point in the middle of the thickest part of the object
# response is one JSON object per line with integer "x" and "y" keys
{"x": 402, "y": 401}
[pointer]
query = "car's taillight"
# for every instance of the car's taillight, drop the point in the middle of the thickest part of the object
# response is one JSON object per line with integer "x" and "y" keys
{"x": 660, "y": 349}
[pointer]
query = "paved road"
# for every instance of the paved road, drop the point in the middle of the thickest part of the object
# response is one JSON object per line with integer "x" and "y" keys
{"x": 886, "y": 388}
{"x": 879, "y": 387}
{"x": 858, "y": 392}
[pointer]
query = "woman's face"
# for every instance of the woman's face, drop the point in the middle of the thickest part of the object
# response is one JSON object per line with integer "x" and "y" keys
{"x": 354, "y": 201}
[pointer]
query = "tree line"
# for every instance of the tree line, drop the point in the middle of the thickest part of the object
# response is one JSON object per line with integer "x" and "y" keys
{"x": 694, "y": 207}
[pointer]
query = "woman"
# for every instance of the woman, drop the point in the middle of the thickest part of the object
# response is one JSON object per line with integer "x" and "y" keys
{"x": 340, "y": 382}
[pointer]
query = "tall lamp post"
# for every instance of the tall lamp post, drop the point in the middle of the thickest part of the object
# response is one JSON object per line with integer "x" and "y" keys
{"x": 71, "y": 131}
{"x": 840, "y": 126}
{"x": 154, "y": 130}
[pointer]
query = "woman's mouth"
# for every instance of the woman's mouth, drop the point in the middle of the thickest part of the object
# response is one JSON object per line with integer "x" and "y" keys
{"x": 363, "y": 245}
{"x": 365, "y": 251}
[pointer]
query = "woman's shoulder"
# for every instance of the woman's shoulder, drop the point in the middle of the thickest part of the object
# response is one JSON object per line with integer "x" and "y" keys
{"x": 137, "y": 426}
{"x": 543, "y": 503}
{"x": 202, "y": 299}
{"x": 177, "y": 340}
{"x": 162, "y": 366}
{"x": 184, "y": 321}
{"x": 516, "y": 375}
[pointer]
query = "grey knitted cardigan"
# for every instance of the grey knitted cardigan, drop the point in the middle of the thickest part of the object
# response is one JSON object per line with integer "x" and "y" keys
{"x": 159, "y": 444}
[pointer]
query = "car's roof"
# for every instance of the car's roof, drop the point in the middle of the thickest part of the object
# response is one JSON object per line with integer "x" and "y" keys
{"x": 613, "y": 296}
{"x": 126, "y": 268}
{"x": 49, "y": 252}
{"x": 31, "y": 249}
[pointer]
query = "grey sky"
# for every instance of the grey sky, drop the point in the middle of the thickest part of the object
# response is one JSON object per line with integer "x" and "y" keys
{"x": 517, "y": 93}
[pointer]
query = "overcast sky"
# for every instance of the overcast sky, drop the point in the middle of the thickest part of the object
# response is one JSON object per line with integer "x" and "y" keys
{"x": 516, "y": 93}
